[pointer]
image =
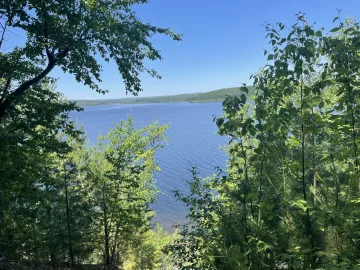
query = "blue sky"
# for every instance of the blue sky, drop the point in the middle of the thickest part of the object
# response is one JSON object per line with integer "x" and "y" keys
{"x": 222, "y": 45}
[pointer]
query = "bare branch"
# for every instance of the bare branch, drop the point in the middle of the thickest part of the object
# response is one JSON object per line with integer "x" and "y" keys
{"x": 3, "y": 34}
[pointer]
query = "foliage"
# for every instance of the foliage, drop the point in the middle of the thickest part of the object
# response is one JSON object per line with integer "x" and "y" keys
{"x": 121, "y": 185}
{"x": 148, "y": 252}
{"x": 62, "y": 201}
{"x": 65, "y": 202}
{"x": 289, "y": 199}
{"x": 32, "y": 140}
{"x": 70, "y": 34}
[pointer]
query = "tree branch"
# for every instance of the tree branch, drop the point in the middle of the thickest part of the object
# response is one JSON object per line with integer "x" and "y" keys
{"x": 26, "y": 85}
{"x": 3, "y": 34}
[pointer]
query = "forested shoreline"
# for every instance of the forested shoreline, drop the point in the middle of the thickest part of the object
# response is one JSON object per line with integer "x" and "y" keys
{"x": 212, "y": 96}
{"x": 289, "y": 198}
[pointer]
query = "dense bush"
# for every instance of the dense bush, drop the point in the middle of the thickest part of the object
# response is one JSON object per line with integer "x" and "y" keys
{"x": 290, "y": 198}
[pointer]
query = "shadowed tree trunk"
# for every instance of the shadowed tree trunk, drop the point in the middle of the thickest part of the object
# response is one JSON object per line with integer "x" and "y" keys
{"x": 71, "y": 254}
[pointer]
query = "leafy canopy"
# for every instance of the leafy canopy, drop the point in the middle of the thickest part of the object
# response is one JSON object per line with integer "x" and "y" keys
{"x": 73, "y": 34}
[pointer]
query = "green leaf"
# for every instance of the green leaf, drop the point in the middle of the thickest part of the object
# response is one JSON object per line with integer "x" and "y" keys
{"x": 319, "y": 253}
{"x": 295, "y": 141}
{"x": 270, "y": 57}
{"x": 336, "y": 29}
{"x": 244, "y": 89}
{"x": 318, "y": 33}
{"x": 335, "y": 19}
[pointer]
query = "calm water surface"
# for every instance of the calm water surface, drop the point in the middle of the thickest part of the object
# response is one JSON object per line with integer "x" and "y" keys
{"x": 192, "y": 140}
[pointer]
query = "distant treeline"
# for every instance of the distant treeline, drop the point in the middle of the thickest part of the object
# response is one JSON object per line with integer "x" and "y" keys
{"x": 212, "y": 96}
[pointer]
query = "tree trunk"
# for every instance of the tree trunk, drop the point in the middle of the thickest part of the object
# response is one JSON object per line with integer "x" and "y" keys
{"x": 308, "y": 225}
{"x": 71, "y": 254}
{"x": 115, "y": 244}
{"x": 106, "y": 231}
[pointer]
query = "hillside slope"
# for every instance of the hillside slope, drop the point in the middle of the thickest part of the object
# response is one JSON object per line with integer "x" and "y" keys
{"x": 212, "y": 96}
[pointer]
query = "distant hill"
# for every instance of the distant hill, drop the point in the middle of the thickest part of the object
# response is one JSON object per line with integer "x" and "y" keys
{"x": 212, "y": 96}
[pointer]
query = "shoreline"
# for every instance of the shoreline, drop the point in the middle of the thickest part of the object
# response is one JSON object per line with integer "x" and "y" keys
{"x": 145, "y": 103}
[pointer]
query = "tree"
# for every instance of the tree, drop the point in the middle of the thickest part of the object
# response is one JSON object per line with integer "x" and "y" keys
{"x": 32, "y": 137}
{"x": 65, "y": 202}
{"x": 148, "y": 251}
{"x": 119, "y": 174}
{"x": 289, "y": 199}
{"x": 72, "y": 34}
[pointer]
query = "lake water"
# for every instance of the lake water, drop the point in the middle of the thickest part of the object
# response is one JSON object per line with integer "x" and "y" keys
{"x": 192, "y": 140}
